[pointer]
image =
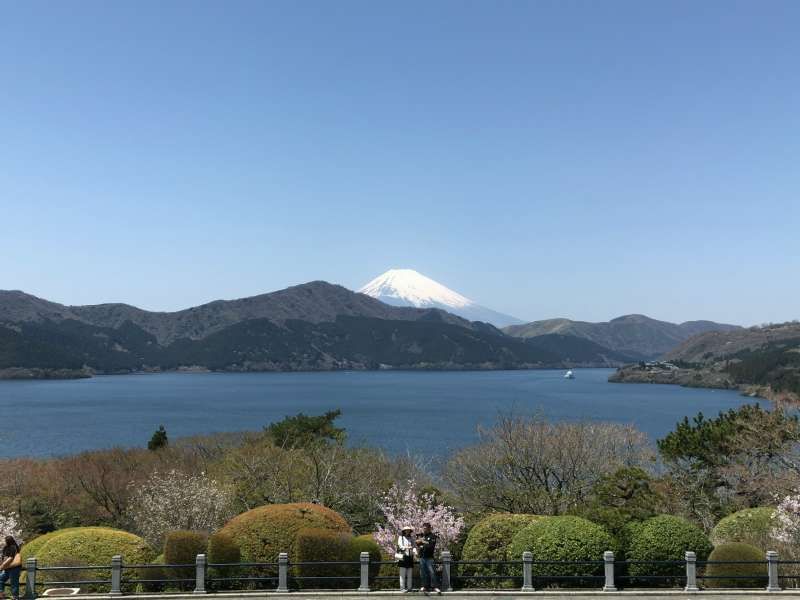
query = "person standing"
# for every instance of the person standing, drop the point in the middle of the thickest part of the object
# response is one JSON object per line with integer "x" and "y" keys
{"x": 406, "y": 550}
{"x": 426, "y": 545}
{"x": 11, "y": 566}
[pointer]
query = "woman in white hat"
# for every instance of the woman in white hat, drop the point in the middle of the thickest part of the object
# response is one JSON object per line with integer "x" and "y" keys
{"x": 406, "y": 550}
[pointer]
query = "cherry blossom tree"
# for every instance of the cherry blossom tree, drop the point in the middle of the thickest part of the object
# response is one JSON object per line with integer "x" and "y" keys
{"x": 787, "y": 520}
{"x": 405, "y": 505}
{"x": 174, "y": 500}
{"x": 10, "y": 525}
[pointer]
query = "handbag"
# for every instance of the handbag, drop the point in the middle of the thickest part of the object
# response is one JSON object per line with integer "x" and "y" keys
{"x": 398, "y": 556}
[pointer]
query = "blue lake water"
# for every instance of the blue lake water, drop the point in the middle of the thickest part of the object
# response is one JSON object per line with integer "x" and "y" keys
{"x": 427, "y": 413}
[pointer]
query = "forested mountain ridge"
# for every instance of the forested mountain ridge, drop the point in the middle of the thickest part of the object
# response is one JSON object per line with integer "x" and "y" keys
{"x": 637, "y": 336}
{"x": 761, "y": 361}
{"x": 315, "y": 326}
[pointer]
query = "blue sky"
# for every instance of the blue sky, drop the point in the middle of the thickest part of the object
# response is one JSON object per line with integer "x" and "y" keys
{"x": 579, "y": 159}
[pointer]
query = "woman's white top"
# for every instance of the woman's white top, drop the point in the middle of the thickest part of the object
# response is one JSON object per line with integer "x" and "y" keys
{"x": 406, "y": 545}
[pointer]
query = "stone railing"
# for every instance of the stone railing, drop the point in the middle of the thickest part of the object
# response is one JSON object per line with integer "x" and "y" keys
{"x": 525, "y": 576}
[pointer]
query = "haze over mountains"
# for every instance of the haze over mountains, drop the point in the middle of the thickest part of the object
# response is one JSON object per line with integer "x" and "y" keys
{"x": 315, "y": 326}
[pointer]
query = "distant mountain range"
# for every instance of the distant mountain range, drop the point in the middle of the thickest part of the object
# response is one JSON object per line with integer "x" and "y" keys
{"x": 314, "y": 326}
{"x": 406, "y": 287}
{"x": 636, "y": 336}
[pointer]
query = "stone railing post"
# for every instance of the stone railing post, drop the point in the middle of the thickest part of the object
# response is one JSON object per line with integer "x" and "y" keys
{"x": 30, "y": 579}
{"x": 691, "y": 572}
{"x": 283, "y": 572}
{"x": 447, "y": 560}
{"x": 608, "y": 565}
{"x": 364, "y": 558}
{"x": 116, "y": 575}
{"x": 527, "y": 571}
{"x": 200, "y": 574}
{"x": 447, "y": 570}
{"x": 774, "y": 584}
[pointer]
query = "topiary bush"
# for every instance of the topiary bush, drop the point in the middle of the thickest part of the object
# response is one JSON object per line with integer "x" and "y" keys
{"x": 92, "y": 546}
{"x": 264, "y": 532}
{"x": 664, "y": 538}
{"x": 750, "y": 526}
{"x": 324, "y": 545}
{"x": 367, "y": 543}
{"x": 564, "y": 538}
{"x": 490, "y": 539}
{"x": 755, "y": 574}
{"x": 181, "y": 547}
{"x": 153, "y": 574}
{"x": 222, "y": 549}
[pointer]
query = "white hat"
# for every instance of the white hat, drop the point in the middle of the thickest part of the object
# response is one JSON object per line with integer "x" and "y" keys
{"x": 406, "y": 528}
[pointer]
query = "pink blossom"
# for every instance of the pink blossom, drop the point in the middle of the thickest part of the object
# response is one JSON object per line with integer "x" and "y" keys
{"x": 405, "y": 506}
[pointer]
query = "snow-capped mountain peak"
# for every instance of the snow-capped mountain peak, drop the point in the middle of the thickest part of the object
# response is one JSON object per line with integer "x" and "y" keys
{"x": 414, "y": 288}
{"x": 407, "y": 287}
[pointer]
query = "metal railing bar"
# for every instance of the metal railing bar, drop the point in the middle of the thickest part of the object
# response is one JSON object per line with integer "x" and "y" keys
{"x": 156, "y": 566}
{"x": 324, "y": 577}
{"x": 247, "y": 564}
{"x": 324, "y": 563}
{"x": 76, "y": 582}
{"x": 73, "y": 568}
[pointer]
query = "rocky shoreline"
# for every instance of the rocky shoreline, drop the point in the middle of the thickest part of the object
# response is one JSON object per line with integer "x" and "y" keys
{"x": 701, "y": 377}
{"x": 37, "y": 373}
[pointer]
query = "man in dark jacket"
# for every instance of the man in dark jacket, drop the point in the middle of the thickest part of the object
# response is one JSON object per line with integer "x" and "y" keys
{"x": 426, "y": 546}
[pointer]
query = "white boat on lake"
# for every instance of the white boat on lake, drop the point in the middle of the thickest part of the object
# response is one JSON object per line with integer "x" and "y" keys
{"x": 569, "y": 375}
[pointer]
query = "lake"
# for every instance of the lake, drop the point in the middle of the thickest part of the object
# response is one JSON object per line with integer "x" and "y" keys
{"x": 427, "y": 413}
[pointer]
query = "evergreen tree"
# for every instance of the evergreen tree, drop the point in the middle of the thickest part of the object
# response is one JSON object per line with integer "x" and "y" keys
{"x": 159, "y": 439}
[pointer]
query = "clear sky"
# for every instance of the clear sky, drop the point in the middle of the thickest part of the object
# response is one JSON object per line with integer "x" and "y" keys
{"x": 566, "y": 158}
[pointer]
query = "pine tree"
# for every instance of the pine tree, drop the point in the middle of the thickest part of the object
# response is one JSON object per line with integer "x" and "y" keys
{"x": 159, "y": 439}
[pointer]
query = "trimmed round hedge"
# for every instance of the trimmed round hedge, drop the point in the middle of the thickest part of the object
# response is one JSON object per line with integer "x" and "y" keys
{"x": 750, "y": 526}
{"x": 266, "y": 531}
{"x": 222, "y": 550}
{"x": 664, "y": 538}
{"x": 31, "y": 549}
{"x": 324, "y": 545}
{"x": 564, "y": 538}
{"x": 91, "y": 546}
{"x": 367, "y": 543}
{"x": 755, "y": 575}
{"x": 490, "y": 539}
{"x": 181, "y": 547}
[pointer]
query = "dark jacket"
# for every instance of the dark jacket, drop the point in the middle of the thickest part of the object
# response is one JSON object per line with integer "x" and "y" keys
{"x": 428, "y": 546}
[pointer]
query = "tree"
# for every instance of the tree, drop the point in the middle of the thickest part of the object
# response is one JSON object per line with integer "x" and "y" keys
{"x": 740, "y": 459}
{"x": 303, "y": 431}
{"x": 10, "y": 525}
{"x": 159, "y": 439}
{"x": 529, "y": 465}
{"x": 405, "y": 505}
{"x": 177, "y": 501}
{"x": 621, "y": 497}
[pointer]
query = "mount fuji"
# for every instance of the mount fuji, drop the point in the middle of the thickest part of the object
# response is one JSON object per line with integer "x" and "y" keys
{"x": 406, "y": 287}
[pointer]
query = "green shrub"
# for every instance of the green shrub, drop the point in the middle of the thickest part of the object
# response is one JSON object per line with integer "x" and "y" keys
{"x": 181, "y": 548}
{"x": 490, "y": 539}
{"x": 92, "y": 546}
{"x": 324, "y": 545}
{"x": 31, "y": 548}
{"x": 565, "y": 538}
{"x": 264, "y": 532}
{"x": 222, "y": 549}
{"x": 367, "y": 543}
{"x": 152, "y": 574}
{"x": 750, "y": 526}
{"x": 664, "y": 538}
{"x": 739, "y": 552}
